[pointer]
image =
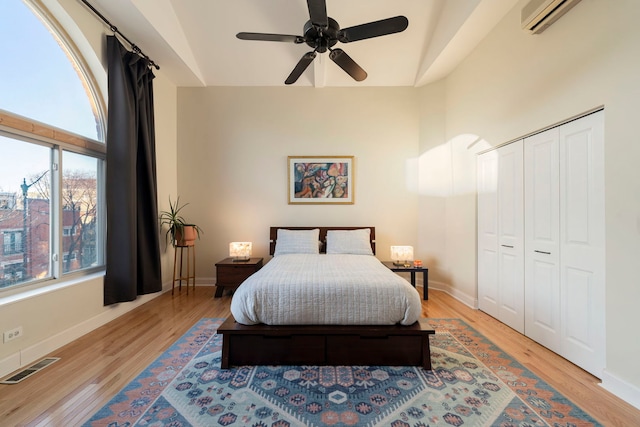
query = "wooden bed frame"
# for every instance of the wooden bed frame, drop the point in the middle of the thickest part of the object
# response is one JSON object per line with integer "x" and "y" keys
{"x": 393, "y": 345}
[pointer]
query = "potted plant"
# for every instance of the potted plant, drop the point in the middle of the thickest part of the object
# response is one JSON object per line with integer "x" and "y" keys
{"x": 182, "y": 233}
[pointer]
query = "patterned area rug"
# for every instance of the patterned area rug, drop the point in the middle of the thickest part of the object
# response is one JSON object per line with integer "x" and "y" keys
{"x": 473, "y": 383}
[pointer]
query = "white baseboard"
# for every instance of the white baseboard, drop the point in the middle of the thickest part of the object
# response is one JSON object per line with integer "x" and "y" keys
{"x": 468, "y": 300}
{"x": 28, "y": 355}
{"x": 205, "y": 281}
{"x": 621, "y": 388}
{"x": 9, "y": 364}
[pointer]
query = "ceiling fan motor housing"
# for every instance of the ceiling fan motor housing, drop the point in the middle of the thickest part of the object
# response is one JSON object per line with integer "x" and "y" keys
{"x": 320, "y": 38}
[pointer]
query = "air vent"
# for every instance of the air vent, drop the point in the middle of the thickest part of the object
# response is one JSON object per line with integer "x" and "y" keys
{"x": 27, "y": 372}
{"x": 538, "y": 15}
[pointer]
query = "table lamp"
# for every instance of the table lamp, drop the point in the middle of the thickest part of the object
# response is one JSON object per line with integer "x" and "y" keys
{"x": 402, "y": 255}
{"x": 240, "y": 251}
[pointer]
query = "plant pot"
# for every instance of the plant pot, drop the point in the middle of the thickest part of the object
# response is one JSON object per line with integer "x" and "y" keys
{"x": 186, "y": 235}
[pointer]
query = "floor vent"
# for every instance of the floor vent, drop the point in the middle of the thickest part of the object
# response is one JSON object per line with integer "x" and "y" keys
{"x": 27, "y": 372}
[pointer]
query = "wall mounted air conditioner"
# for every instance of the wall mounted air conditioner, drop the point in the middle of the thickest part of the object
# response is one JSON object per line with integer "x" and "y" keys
{"x": 538, "y": 15}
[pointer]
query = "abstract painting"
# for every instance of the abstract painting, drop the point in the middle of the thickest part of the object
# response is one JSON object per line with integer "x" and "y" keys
{"x": 320, "y": 180}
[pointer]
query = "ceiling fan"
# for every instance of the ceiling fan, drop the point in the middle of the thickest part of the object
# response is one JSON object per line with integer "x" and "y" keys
{"x": 322, "y": 33}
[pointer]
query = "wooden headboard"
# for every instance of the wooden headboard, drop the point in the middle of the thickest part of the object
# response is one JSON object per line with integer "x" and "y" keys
{"x": 273, "y": 235}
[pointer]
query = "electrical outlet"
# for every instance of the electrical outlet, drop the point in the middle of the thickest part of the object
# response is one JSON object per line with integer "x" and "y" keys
{"x": 13, "y": 334}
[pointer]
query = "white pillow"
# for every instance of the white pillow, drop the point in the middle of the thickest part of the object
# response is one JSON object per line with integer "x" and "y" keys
{"x": 355, "y": 242}
{"x": 297, "y": 242}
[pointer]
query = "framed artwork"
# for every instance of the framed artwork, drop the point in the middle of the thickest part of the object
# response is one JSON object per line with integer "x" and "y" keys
{"x": 320, "y": 180}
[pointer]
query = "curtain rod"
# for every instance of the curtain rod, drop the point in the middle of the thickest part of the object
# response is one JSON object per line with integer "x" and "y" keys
{"x": 113, "y": 28}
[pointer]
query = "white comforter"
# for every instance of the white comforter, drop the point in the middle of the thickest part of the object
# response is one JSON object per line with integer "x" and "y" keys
{"x": 304, "y": 289}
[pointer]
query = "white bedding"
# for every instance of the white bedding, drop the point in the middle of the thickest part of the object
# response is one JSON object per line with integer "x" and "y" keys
{"x": 304, "y": 289}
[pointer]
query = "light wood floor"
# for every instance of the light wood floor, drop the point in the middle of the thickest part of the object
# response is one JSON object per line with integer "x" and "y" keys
{"x": 95, "y": 367}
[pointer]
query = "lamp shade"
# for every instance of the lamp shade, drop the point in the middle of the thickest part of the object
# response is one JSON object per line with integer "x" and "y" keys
{"x": 240, "y": 250}
{"x": 402, "y": 253}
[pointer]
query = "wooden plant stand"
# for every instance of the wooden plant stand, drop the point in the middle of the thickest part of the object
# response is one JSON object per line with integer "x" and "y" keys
{"x": 178, "y": 275}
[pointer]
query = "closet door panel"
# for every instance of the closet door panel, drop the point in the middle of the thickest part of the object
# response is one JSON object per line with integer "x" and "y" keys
{"x": 510, "y": 194}
{"x": 488, "y": 298}
{"x": 542, "y": 245}
{"x": 582, "y": 241}
{"x": 511, "y": 292}
{"x": 500, "y": 235}
{"x": 510, "y": 236}
{"x": 542, "y": 312}
{"x": 578, "y": 325}
{"x": 542, "y": 192}
{"x": 487, "y": 170}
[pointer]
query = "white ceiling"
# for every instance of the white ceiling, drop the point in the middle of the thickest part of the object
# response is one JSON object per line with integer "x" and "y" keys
{"x": 195, "y": 44}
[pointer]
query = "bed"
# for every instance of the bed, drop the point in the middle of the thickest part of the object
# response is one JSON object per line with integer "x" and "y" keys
{"x": 324, "y": 299}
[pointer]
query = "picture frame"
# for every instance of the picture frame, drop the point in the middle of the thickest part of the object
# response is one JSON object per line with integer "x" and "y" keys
{"x": 321, "y": 180}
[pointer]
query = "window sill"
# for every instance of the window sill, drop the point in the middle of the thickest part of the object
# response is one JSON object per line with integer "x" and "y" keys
{"x": 18, "y": 295}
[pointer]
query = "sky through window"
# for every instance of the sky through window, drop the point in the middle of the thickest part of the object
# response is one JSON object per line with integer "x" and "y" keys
{"x": 37, "y": 81}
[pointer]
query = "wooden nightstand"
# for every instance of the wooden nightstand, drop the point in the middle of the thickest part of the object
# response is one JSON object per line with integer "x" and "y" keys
{"x": 413, "y": 270}
{"x": 230, "y": 274}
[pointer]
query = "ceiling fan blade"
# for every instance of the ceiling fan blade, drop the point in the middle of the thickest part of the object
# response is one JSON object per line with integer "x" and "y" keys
{"x": 271, "y": 37}
{"x": 318, "y": 12}
{"x": 345, "y": 62}
{"x": 373, "y": 29}
{"x": 302, "y": 65}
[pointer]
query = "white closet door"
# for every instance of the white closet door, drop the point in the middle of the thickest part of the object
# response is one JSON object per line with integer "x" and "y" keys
{"x": 582, "y": 242}
{"x": 542, "y": 245}
{"x": 511, "y": 236}
{"x": 487, "y": 174}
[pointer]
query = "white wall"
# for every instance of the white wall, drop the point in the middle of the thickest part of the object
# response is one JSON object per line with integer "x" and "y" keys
{"x": 515, "y": 83}
{"x": 435, "y": 188}
{"x": 62, "y": 312}
{"x": 166, "y": 105}
{"x": 232, "y": 156}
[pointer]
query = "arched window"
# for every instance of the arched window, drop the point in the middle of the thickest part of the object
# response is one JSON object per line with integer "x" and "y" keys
{"x": 52, "y": 153}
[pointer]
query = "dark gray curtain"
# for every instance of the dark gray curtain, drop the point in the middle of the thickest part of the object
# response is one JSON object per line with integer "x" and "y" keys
{"x": 133, "y": 242}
